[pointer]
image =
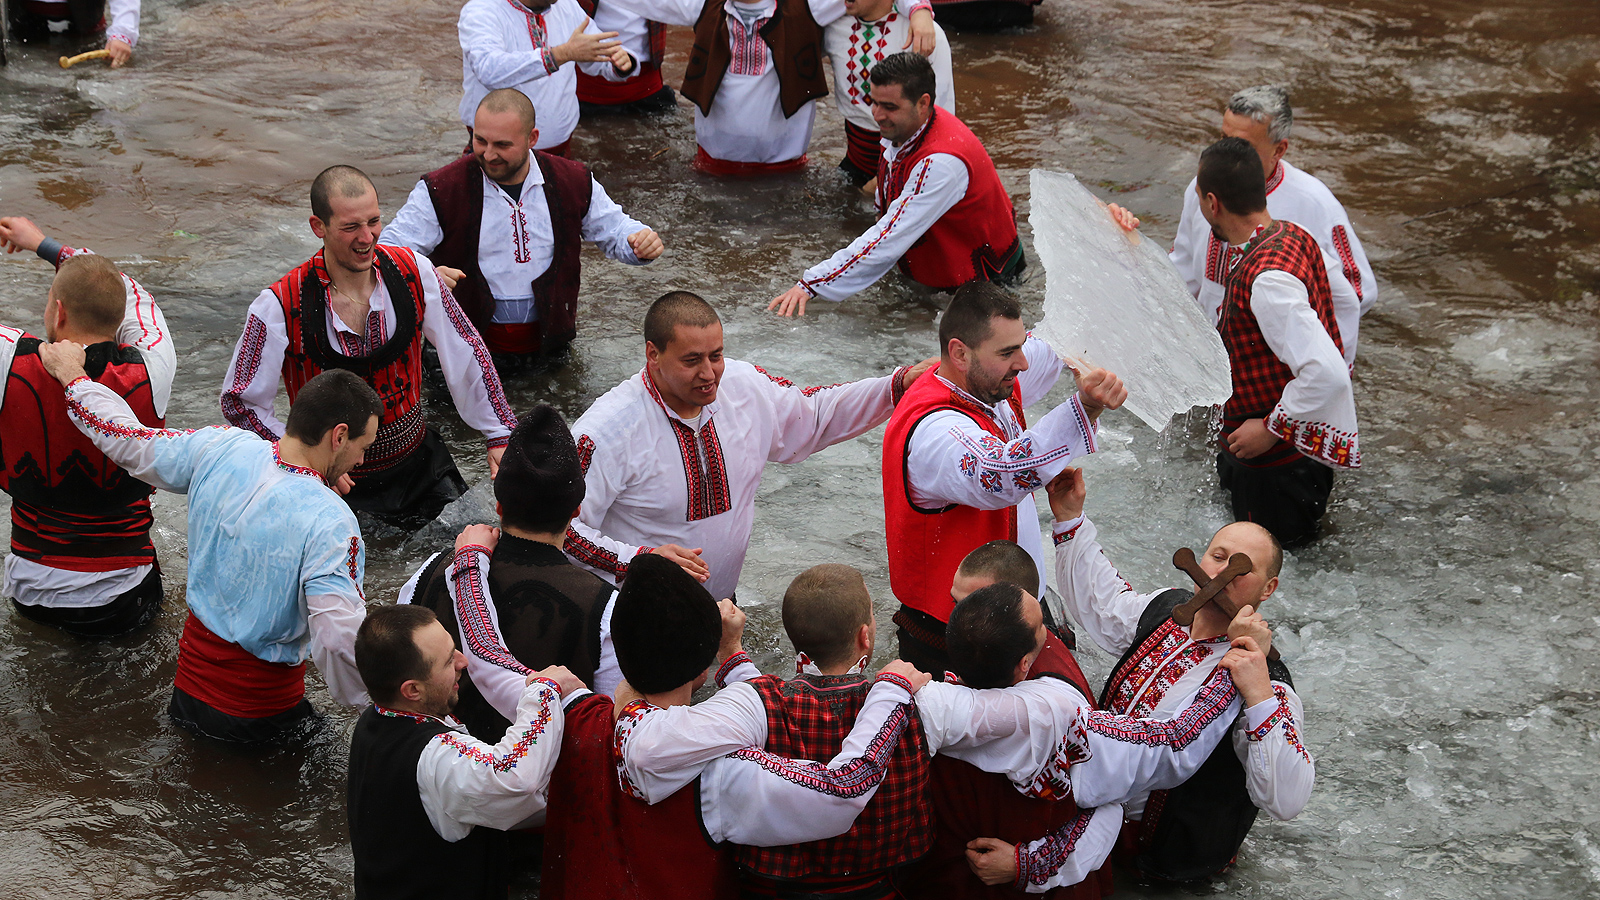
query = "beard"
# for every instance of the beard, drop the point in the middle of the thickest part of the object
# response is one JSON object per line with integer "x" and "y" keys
{"x": 989, "y": 391}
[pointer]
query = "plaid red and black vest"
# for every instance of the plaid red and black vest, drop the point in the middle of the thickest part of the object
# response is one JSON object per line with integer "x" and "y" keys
{"x": 71, "y": 507}
{"x": 926, "y": 546}
{"x": 970, "y": 803}
{"x": 394, "y": 369}
{"x": 793, "y": 36}
{"x": 973, "y": 240}
{"x": 1259, "y": 377}
{"x": 601, "y": 844}
{"x": 808, "y": 717}
{"x": 457, "y": 194}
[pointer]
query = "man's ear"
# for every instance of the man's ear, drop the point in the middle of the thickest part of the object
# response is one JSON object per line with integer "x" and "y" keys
{"x": 652, "y": 353}
{"x": 1279, "y": 149}
{"x": 1024, "y": 666}
{"x": 1267, "y": 589}
{"x": 319, "y": 228}
{"x": 864, "y": 638}
{"x": 338, "y": 435}
{"x": 411, "y": 690}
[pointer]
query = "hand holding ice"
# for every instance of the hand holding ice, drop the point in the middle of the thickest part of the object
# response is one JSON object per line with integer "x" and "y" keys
{"x": 1114, "y": 298}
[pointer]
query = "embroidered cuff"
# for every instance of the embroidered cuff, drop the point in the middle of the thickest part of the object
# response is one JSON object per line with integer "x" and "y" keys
{"x": 1066, "y": 531}
{"x": 497, "y": 442}
{"x": 807, "y": 287}
{"x": 1266, "y": 715}
{"x": 123, "y": 38}
{"x": 550, "y": 683}
{"x": 897, "y": 385}
{"x": 465, "y": 557}
{"x": 896, "y": 680}
{"x": 1021, "y": 881}
{"x": 1318, "y": 440}
{"x": 728, "y": 665}
{"x": 549, "y": 58}
{"x": 74, "y": 382}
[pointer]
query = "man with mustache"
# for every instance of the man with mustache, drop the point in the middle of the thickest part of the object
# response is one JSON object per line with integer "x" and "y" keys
{"x": 366, "y": 308}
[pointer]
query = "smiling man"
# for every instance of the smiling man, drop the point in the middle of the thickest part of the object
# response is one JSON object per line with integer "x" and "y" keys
{"x": 673, "y": 456}
{"x": 960, "y": 463}
{"x": 368, "y": 308}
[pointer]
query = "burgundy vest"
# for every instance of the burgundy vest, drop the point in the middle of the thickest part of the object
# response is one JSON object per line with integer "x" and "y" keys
{"x": 394, "y": 369}
{"x": 71, "y": 507}
{"x": 1259, "y": 377}
{"x": 457, "y": 194}
{"x": 792, "y": 34}
{"x": 808, "y": 717}
{"x": 601, "y": 844}
{"x": 970, "y": 803}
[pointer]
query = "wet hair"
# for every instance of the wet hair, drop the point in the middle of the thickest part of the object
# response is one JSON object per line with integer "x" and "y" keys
{"x": 975, "y": 303}
{"x": 387, "y": 654}
{"x": 89, "y": 288}
{"x": 823, "y": 609}
{"x": 676, "y": 308}
{"x": 911, "y": 71}
{"x": 1266, "y": 103}
{"x": 1005, "y": 562}
{"x": 335, "y": 397}
{"x": 509, "y": 100}
{"x": 348, "y": 181}
{"x": 987, "y": 636}
{"x": 1231, "y": 169}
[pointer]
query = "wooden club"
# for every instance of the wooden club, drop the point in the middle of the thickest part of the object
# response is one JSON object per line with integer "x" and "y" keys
{"x": 68, "y": 62}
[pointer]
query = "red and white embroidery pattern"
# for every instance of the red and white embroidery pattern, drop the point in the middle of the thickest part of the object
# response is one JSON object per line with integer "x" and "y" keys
{"x": 850, "y": 780}
{"x": 113, "y": 429}
{"x": 472, "y": 613}
{"x": 917, "y": 180}
{"x": 244, "y": 372}
{"x": 1212, "y": 701}
{"x": 1317, "y": 440}
{"x": 869, "y": 42}
{"x": 728, "y": 665}
{"x": 1347, "y": 259}
{"x": 705, "y": 471}
{"x": 748, "y": 46}
{"x": 482, "y": 755}
{"x": 1277, "y": 177}
{"x": 1054, "y": 782}
{"x": 352, "y": 559}
{"x": 1038, "y": 865}
{"x": 491, "y": 376}
{"x": 585, "y": 452}
{"x": 141, "y": 300}
{"x": 627, "y": 721}
{"x": 593, "y": 555}
{"x": 1282, "y": 716}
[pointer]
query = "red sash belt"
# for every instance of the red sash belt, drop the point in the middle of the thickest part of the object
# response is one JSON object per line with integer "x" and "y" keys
{"x": 523, "y": 338}
{"x": 705, "y": 162}
{"x": 595, "y": 89}
{"x": 225, "y": 677}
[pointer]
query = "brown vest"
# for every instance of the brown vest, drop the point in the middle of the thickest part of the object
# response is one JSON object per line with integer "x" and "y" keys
{"x": 794, "y": 37}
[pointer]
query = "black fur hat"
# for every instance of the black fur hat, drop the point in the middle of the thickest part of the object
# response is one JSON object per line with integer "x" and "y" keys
{"x": 541, "y": 465}
{"x": 665, "y": 626}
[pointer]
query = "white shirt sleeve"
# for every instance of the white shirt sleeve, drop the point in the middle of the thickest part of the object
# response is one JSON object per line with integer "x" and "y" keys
{"x": 1186, "y": 254}
{"x": 1347, "y": 308}
{"x": 760, "y": 799}
{"x": 163, "y": 457}
{"x": 251, "y": 383}
{"x": 1317, "y": 412}
{"x": 468, "y": 370}
{"x": 604, "y": 478}
{"x": 330, "y": 577}
{"x": 145, "y": 327}
{"x": 1070, "y": 853}
{"x": 1103, "y": 604}
{"x": 662, "y": 750}
{"x": 952, "y": 460}
{"x": 466, "y": 782}
{"x": 124, "y": 25}
{"x": 937, "y": 183}
{"x": 667, "y": 12}
{"x": 1354, "y": 265}
{"x": 608, "y": 226}
{"x": 416, "y": 225}
{"x": 493, "y": 62}
{"x": 497, "y": 675}
{"x": 810, "y": 419}
{"x": 1278, "y": 768}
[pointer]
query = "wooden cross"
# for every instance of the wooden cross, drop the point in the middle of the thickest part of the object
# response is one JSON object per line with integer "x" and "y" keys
{"x": 1206, "y": 588}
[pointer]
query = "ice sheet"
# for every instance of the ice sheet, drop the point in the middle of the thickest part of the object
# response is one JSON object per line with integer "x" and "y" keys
{"x": 1114, "y": 299}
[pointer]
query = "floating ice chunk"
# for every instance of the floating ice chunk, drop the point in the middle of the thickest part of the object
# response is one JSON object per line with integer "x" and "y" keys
{"x": 1115, "y": 300}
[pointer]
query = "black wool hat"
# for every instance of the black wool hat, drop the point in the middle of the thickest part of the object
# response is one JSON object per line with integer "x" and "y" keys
{"x": 540, "y": 467}
{"x": 665, "y": 626}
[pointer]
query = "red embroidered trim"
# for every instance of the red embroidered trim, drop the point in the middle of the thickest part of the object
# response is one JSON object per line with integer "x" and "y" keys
{"x": 888, "y": 227}
{"x": 472, "y": 612}
{"x": 353, "y": 565}
{"x": 74, "y": 381}
{"x": 627, "y": 720}
{"x": 402, "y": 714}
{"x": 491, "y": 376}
{"x": 853, "y": 779}
{"x": 478, "y": 753}
{"x": 593, "y": 555}
{"x": 277, "y": 460}
{"x": 246, "y": 363}
{"x": 1347, "y": 259}
{"x": 898, "y": 681}
{"x": 728, "y": 665}
{"x": 1277, "y": 177}
{"x": 1038, "y": 866}
{"x": 1210, "y": 703}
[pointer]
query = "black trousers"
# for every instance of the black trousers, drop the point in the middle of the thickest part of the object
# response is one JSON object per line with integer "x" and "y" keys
{"x": 410, "y": 493}
{"x": 127, "y": 612}
{"x": 1287, "y": 500}
{"x": 292, "y": 726}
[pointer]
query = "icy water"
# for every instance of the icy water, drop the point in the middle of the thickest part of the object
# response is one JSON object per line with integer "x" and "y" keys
{"x": 1442, "y": 634}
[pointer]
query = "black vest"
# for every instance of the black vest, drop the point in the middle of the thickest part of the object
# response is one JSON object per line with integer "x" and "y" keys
{"x": 398, "y": 855}
{"x": 549, "y": 612}
{"x": 1194, "y": 830}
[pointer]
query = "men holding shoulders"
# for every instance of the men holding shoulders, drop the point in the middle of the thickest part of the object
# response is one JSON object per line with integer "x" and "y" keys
{"x": 366, "y": 308}
{"x": 81, "y": 558}
{"x": 511, "y": 44}
{"x": 944, "y": 215}
{"x": 275, "y": 556}
{"x": 420, "y": 787}
{"x": 1262, "y": 116}
{"x": 505, "y": 225}
{"x": 549, "y": 610}
{"x": 1195, "y": 830}
{"x": 960, "y": 463}
{"x": 673, "y": 456}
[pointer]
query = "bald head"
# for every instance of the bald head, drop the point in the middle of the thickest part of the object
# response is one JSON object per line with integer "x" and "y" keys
{"x": 823, "y": 610}
{"x": 89, "y": 294}
{"x": 348, "y": 182}
{"x": 508, "y": 101}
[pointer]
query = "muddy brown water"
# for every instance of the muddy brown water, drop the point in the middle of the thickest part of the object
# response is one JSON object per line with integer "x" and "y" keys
{"x": 1442, "y": 633}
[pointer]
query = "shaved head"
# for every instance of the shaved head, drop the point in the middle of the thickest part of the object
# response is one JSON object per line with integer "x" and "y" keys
{"x": 673, "y": 309}
{"x": 1000, "y": 562}
{"x": 509, "y": 100}
{"x": 89, "y": 289}
{"x": 1255, "y": 542}
{"x": 822, "y": 611}
{"x": 344, "y": 181}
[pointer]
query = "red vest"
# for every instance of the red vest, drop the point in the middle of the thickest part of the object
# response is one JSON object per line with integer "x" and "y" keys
{"x": 394, "y": 370}
{"x": 926, "y": 546}
{"x": 970, "y": 803}
{"x": 808, "y": 717}
{"x": 600, "y": 844}
{"x": 794, "y": 38}
{"x": 976, "y": 238}
{"x": 457, "y": 194}
{"x": 71, "y": 508}
{"x": 1259, "y": 377}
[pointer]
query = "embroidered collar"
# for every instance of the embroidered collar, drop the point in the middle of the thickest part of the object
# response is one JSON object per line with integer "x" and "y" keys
{"x": 534, "y": 179}
{"x": 882, "y": 23}
{"x": 1277, "y": 177}
{"x": 277, "y": 460}
{"x": 523, "y": 8}
{"x": 764, "y": 10}
{"x": 804, "y": 666}
{"x": 992, "y": 411}
{"x": 706, "y": 412}
{"x": 419, "y": 718}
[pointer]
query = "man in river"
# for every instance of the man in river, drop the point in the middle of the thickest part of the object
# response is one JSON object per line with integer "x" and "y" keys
{"x": 505, "y": 225}
{"x": 275, "y": 557}
{"x": 960, "y": 463}
{"x": 1193, "y": 831}
{"x": 366, "y": 307}
{"x": 1262, "y": 116}
{"x": 37, "y": 18}
{"x": 943, "y": 213}
{"x": 81, "y": 558}
{"x": 673, "y": 456}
